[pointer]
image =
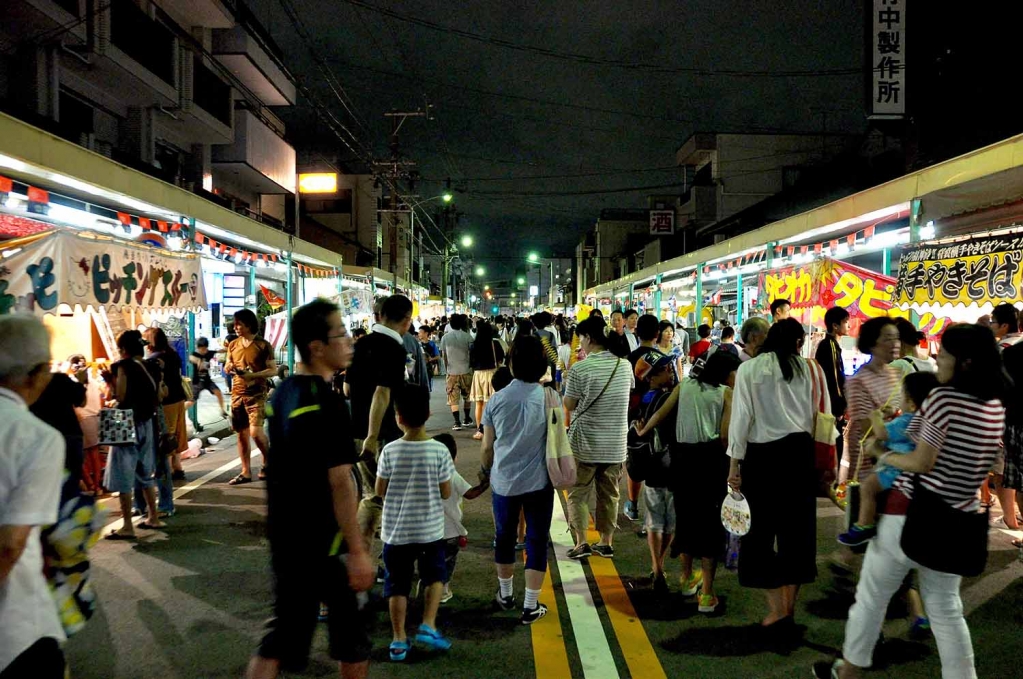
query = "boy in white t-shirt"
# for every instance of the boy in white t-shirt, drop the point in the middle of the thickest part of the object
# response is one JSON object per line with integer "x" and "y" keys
{"x": 414, "y": 477}
{"x": 455, "y": 533}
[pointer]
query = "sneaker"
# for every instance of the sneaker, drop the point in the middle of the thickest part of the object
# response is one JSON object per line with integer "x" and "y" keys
{"x": 580, "y": 552}
{"x": 447, "y": 595}
{"x": 921, "y": 628}
{"x": 505, "y": 603}
{"x": 381, "y": 575}
{"x": 533, "y": 614}
{"x": 520, "y": 546}
{"x": 456, "y": 427}
{"x": 631, "y": 511}
{"x": 708, "y": 603}
{"x": 692, "y": 585}
{"x": 826, "y": 669}
{"x": 468, "y": 423}
{"x": 606, "y": 551}
{"x": 857, "y": 535}
{"x": 478, "y": 436}
{"x": 432, "y": 639}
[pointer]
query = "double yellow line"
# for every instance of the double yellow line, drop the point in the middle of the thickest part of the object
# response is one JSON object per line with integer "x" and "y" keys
{"x": 550, "y": 650}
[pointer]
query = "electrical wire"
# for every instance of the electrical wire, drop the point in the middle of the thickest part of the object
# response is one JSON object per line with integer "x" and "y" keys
{"x": 598, "y": 61}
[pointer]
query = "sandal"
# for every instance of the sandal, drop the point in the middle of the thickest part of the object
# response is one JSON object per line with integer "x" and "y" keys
{"x": 399, "y": 649}
{"x": 121, "y": 536}
{"x": 238, "y": 480}
{"x": 432, "y": 639}
{"x": 145, "y": 525}
{"x": 262, "y": 474}
{"x": 1017, "y": 544}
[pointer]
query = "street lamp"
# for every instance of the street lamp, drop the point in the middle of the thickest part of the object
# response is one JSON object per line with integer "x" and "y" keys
{"x": 513, "y": 295}
{"x": 486, "y": 287}
{"x": 480, "y": 271}
{"x": 466, "y": 241}
{"x": 522, "y": 281}
{"x": 533, "y": 257}
{"x": 447, "y": 197}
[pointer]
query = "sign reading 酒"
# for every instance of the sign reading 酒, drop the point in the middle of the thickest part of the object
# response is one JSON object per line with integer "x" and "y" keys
{"x": 662, "y": 222}
{"x": 888, "y": 62}
{"x": 77, "y": 270}
{"x": 978, "y": 271}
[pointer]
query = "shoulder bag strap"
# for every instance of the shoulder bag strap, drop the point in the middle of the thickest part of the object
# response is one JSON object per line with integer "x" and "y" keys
{"x": 576, "y": 416}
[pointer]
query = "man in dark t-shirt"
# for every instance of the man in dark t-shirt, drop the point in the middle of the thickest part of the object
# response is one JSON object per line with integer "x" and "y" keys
{"x": 316, "y": 551}
{"x": 376, "y": 373}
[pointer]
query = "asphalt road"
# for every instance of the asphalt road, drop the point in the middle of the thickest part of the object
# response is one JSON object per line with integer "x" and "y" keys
{"x": 189, "y": 602}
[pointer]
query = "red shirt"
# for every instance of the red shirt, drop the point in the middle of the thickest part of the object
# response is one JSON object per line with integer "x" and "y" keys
{"x": 699, "y": 349}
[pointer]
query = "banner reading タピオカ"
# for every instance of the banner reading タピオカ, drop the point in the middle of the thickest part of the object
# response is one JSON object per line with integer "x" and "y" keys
{"x": 39, "y": 273}
{"x": 972, "y": 273}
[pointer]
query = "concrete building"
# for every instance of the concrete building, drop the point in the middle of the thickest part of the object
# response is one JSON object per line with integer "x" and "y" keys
{"x": 599, "y": 253}
{"x": 181, "y": 91}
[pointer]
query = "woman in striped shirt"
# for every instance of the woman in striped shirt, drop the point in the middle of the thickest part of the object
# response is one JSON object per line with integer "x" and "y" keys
{"x": 875, "y": 386}
{"x": 958, "y": 431}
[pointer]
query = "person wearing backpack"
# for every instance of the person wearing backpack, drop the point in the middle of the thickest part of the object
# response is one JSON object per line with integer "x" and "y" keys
{"x": 701, "y": 408}
{"x": 646, "y": 461}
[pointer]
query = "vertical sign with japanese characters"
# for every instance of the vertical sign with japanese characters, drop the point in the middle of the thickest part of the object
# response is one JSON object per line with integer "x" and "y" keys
{"x": 888, "y": 62}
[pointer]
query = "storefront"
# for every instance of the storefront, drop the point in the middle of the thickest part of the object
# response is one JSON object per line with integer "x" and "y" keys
{"x": 90, "y": 287}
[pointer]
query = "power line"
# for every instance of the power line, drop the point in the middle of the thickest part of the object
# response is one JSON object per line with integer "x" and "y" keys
{"x": 599, "y": 61}
{"x": 561, "y": 176}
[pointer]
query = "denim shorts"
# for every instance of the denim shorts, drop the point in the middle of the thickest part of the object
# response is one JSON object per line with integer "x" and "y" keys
{"x": 128, "y": 464}
{"x": 660, "y": 510}
{"x": 400, "y": 563}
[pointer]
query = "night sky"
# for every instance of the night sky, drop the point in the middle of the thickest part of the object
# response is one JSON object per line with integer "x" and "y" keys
{"x": 512, "y": 126}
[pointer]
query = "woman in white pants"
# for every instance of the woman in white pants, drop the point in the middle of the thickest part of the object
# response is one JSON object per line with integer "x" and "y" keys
{"x": 958, "y": 430}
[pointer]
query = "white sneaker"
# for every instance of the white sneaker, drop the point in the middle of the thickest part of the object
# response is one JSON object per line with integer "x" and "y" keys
{"x": 447, "y": 595}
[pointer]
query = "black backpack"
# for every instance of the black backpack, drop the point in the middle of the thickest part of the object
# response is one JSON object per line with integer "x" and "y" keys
{"x": 648, "y": 458}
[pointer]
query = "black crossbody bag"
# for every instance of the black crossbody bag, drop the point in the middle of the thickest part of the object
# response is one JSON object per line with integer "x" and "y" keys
{"x": 928, "y": 514}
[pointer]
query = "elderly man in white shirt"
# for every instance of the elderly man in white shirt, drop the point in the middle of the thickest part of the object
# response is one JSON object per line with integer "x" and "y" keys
{"x": 31, "y": 470}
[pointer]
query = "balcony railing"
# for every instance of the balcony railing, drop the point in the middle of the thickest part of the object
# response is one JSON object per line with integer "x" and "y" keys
{"x": 211, "y": 93}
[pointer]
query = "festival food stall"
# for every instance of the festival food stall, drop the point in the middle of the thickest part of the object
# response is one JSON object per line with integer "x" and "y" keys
{"x": 816, "y": 286}
{"x": 962, "y": 279}
{"x": 89, "y": 287}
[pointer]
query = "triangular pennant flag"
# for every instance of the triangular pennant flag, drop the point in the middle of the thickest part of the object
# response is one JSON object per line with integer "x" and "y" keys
{"x": 817, "y": 247}
{"x": 37, "y": 195}
{"x": 144, "y": 223}
{"x": 868, "y": 232}
{"x": 233, "y": 253}
{"x": 805, "y": 249}
{"x": 851, "y": 239}
{"x": 6, "y": 185}
{"x": 834, "y": 246}
{"x": 124, "y": 218}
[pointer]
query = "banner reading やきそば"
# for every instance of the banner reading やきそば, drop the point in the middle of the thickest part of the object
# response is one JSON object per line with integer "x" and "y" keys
{"x": 83, "y": 271}
{"x": 976, "y": 272}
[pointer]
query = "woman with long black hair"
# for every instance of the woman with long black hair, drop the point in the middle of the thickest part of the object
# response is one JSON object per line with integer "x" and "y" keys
{"x": 485, "y": 355}
{"x": 771, "y": 446}
{"x": 958, "y": 430}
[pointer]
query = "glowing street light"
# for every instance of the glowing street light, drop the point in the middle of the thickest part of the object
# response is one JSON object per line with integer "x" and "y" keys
{"x": 521, "y": 280}
{"x": 447, "y": 197}
{"x": 473, "y": 299}
{"x": 486, "y": 287}
{"x": 513, "y": 295}
{"x": 466, "y": 241}
{"x": 480, "y": 271}
{"x": 533, "y": 257}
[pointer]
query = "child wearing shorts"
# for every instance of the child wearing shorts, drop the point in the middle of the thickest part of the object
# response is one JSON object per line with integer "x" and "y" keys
{"x": 414, "y": 477}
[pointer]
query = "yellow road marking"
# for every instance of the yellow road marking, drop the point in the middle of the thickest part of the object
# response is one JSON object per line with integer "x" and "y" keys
{"x": 550, "y": 654}
{"x": 632, "y": 638}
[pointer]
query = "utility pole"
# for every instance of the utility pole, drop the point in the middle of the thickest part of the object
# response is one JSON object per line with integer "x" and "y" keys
{"x": 396, "y": 170}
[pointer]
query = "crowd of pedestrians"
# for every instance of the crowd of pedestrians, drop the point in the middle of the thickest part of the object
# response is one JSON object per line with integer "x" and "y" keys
{"x": 683, "y": 416}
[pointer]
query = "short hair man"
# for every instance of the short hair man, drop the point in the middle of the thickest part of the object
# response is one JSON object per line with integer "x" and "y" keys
{"x": 32, "y": 464}
{"x": 780, "y": 310}
{"x": 1005, "y": 325}
{"x": 829, "y": 357}
{"x": 313, "y": 485}
{"x": 251, "y": 359}
{"x": 377, "y": 371}
{"x": 454, "y": 345}
{"x": 631, "y": 319}
{"x": 617, "y": 343}
{"x": 753, "y": 333}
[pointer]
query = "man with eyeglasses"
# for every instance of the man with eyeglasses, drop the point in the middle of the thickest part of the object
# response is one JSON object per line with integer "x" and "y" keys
{"x": 316, "y": 550}
{"x": 31, "y": 471}
{"x": 1004, "y": 323}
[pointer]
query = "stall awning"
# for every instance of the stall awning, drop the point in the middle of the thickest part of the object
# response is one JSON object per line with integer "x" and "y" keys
{"x": 988, "y": 176}
{"x": 40, "y": 273}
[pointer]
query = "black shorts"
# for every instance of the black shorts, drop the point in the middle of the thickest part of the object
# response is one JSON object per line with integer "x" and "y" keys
{"x": 400, "y": 562}
{"x": 299, "y": 588}
{"x": 206, "y": 384}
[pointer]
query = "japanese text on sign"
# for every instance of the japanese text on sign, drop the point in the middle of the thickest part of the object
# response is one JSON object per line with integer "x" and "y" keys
{"x": 888, "y": 63}
{"x": 662, "y": 222}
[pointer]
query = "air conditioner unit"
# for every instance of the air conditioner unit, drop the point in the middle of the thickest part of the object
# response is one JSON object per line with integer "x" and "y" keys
{"x": 187, "y": 80}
